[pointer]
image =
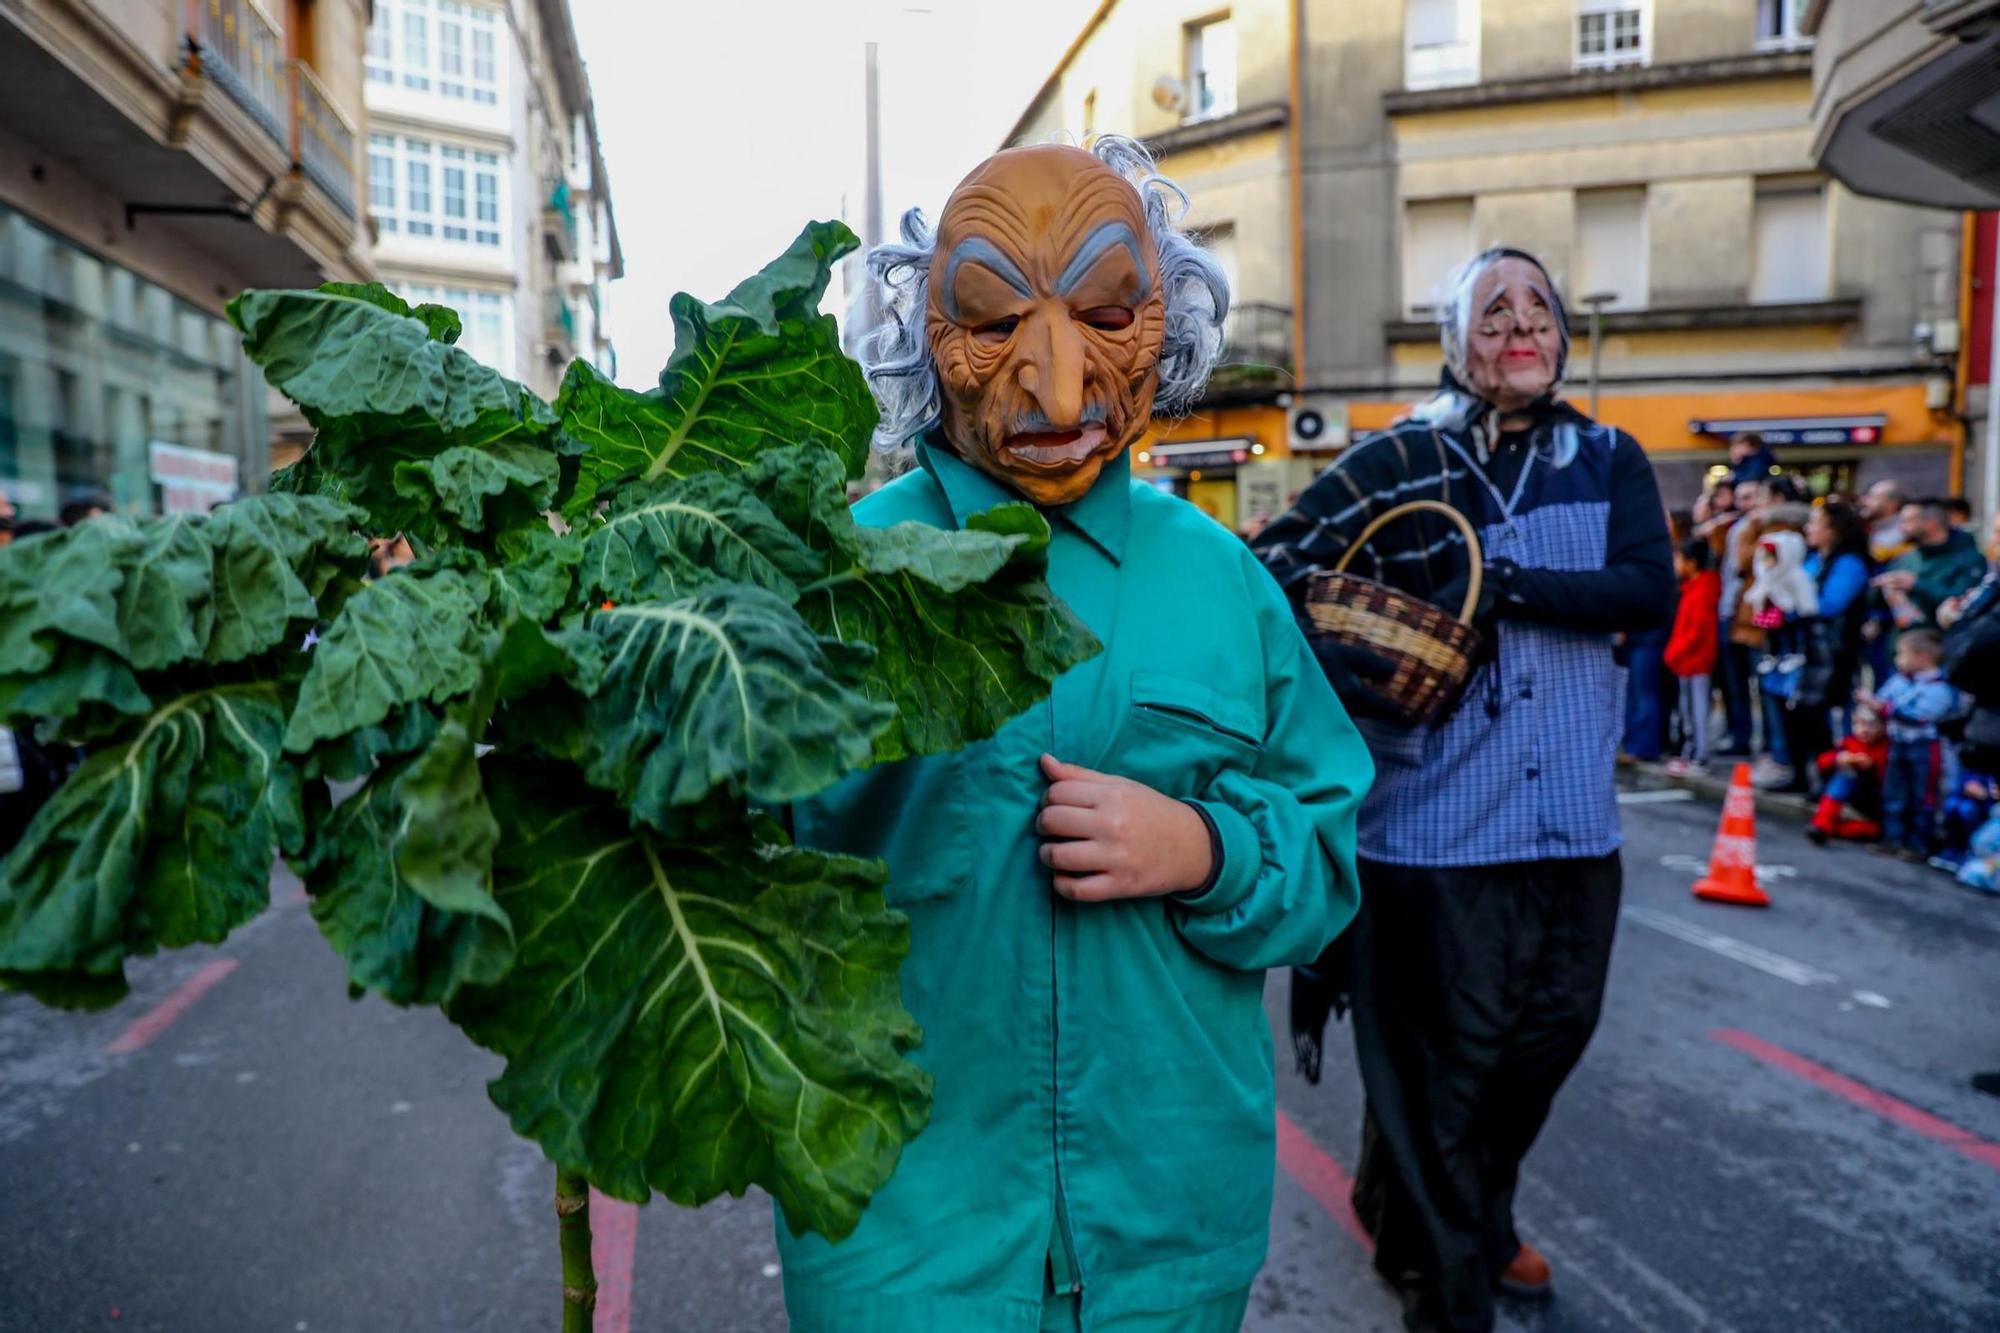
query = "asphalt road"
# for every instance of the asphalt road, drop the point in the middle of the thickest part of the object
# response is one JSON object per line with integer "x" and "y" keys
{"x": 1772, "y": 1131}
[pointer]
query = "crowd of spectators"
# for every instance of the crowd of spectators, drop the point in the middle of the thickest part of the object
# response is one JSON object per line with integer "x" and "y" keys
{"x": 1849, "y": 649}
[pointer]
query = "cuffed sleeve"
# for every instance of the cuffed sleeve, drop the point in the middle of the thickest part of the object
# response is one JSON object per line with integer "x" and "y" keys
{"x": 1287, "y": 883}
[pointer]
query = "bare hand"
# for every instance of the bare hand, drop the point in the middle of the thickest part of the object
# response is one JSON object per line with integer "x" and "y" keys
{"x": 1110, "y": 837}
{"x": 1896, "y": 580}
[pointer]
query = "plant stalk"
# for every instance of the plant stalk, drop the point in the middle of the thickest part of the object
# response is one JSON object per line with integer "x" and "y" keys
{"x": 573, "y": 1227}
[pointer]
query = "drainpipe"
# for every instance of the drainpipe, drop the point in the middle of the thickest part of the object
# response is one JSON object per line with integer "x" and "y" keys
{"x": 1297, "y": 152}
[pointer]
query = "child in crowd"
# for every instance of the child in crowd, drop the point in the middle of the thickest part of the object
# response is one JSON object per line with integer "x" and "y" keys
{"x": 1850, "y": 806}
{"x": 1913, "y": 701}
{"x": 1965, "y": 810}
{"x": 1981, "y": 869}
{"x": 1691, "y": 650}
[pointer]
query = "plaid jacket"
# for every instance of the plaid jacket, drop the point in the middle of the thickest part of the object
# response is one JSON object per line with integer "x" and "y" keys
{"x": 1523, "y": 770}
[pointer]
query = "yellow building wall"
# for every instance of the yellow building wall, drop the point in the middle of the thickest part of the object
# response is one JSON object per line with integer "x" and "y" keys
{"x": 1243, "y": 183}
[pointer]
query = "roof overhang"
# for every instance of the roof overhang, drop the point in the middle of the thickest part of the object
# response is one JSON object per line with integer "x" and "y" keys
{"x": 1929, "y": 135}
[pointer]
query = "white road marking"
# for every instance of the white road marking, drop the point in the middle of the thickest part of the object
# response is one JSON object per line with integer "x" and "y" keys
{"x": 1664, "y": 796}
{"x": 1872, "y": 999}
{"x": 1694, "y": 865}
{"x": 1727, "y": 946}
{"x": 1589, "y": 1232}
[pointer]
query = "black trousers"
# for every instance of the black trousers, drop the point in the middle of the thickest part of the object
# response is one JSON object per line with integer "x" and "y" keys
{"x": 1475, "y": 992}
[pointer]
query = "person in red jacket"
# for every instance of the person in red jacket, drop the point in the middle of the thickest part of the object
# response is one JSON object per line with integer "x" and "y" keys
{"x": 1851, "y": 807}
{"x": 1691, "y": 650}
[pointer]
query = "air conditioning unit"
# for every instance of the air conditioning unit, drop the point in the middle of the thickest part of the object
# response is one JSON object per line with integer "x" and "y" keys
{"x": 1316, "y": 424}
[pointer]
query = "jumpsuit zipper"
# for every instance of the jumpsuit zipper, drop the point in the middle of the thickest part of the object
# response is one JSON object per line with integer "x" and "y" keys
{"x": 1057, "y": 905}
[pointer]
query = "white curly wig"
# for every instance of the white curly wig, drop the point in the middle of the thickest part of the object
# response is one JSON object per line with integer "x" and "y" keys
{"x": 896, "y": 355}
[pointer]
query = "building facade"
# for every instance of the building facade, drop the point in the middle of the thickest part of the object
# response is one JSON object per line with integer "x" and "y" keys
{"x": 1904, "y": 93}
{"x": 157, "y": 157}
{"x": 1658, "y": 154}
{"x": 486, "y": 183}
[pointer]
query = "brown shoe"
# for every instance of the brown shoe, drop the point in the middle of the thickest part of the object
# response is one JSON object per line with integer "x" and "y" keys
{"x": 1528, "y": 1277}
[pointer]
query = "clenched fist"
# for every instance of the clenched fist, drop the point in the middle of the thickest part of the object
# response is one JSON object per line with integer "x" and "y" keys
{"x": 1110, "y": 837}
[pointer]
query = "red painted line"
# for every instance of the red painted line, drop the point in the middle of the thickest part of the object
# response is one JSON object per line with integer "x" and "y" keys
{"x": 162, "y": 1015}
{"x": 614, "y": 1235}
{"x": 1322, "y": 1177}
{"x": 1881, "y": 1103}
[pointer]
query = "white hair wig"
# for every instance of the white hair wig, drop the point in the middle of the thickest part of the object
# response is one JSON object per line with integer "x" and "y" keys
{"x": 1456, "y": 408}
{"x": 896, "y": 354}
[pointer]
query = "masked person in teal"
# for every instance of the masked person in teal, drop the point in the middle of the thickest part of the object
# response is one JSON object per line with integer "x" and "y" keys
{"x": 1095, "y": 893}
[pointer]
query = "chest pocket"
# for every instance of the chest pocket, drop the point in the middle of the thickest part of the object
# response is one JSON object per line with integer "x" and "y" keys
{"x": 1177, "y": 735}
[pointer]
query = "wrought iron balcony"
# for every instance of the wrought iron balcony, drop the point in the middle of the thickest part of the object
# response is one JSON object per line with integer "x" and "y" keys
{"x": 558, "y": 327}
{"x": 559, "y": 221}
{"x": 322, "y": 141}
{"x": 1256, "y": 346}
{"x": 234, "y": 45}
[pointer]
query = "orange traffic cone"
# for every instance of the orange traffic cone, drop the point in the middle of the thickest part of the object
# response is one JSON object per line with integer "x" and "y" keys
{"x": 1732, "y": 866}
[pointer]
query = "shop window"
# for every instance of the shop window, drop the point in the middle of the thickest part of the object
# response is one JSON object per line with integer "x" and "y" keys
{"x": 89, "y": 389}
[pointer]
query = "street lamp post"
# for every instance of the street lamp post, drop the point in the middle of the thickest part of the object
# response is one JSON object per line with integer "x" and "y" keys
{"x": 1595, "y": 303}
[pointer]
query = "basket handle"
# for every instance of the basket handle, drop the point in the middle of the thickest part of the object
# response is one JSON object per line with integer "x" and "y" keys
{"x": 1473, "y": 549}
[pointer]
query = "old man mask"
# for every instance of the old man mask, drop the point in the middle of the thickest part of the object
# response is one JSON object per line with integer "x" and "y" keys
{"x": 1045, "y": 319}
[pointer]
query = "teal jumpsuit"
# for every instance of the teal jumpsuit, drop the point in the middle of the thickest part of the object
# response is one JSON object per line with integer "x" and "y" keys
{"x": 1101, "y": 1148}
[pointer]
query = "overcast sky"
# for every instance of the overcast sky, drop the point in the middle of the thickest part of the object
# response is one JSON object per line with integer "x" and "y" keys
{"x": 727, "y": 126}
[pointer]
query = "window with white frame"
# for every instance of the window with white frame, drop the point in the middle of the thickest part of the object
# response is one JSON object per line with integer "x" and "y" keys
{"x": 1612, "y": 32}
{"x": 1437, "y": 238}
{"x": 1778, "y": 25}
{"x": 1440, "y": 43}
{"x": 447, "y": 46}
{"x": 1788, "y": 260}
{"x": 1611, "y": 247}
{"x": 1211, "y": 68}
{"x": 487, "y": 317}
{"x": 382, "y": 179}
{"x": 435, "y": 191}
{"x": 381, "y": 55}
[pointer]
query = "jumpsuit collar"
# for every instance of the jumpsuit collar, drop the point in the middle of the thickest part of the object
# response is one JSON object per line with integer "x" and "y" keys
{"x": 1103, "y": 515}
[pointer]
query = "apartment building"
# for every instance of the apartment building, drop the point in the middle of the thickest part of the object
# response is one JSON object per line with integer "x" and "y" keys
{"x": 1658, "y": 154}
{"x": 157, "y": 157}
{"x": 1903, "y": 108}
{"x": 486, "y": 182}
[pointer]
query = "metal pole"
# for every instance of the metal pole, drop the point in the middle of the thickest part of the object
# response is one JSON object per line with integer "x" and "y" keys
{"x": 871, "y": 207}
{"x": 1596, "y": 351}
{"x": 1595, "y": 303}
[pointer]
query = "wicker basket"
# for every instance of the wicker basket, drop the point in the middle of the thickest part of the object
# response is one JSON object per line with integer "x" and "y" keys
{"x": 1433, "y": 651}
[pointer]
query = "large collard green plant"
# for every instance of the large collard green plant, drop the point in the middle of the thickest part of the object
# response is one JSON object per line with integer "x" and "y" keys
{"x": 560, "y": 742}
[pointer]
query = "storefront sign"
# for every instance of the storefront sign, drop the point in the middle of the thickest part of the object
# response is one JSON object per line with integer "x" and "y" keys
{"x": 1799, "y": 430}
{"x": 192, "y": 481}
{"x": 1203, "y": 453}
